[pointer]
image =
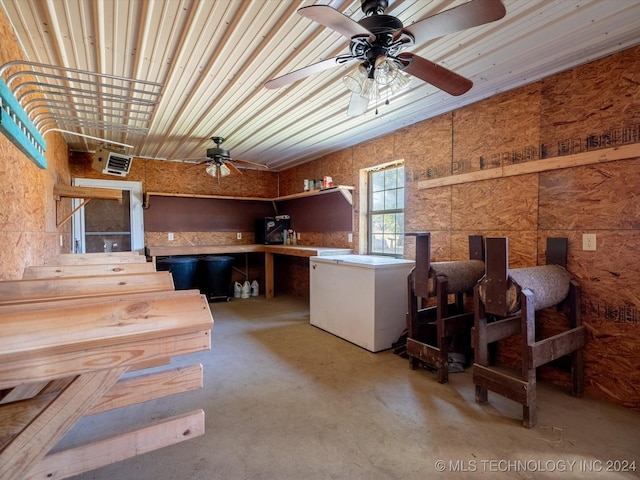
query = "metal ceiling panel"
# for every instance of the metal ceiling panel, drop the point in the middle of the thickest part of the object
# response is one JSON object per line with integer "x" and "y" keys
{"x": 211, "y": 59}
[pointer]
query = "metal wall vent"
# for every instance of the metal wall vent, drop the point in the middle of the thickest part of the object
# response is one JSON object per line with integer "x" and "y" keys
{"x": 111, "y": 163}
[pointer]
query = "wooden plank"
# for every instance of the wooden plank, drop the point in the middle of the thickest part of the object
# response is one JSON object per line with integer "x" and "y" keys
{"x": 102, "y": 258}
{"x": 95, "y": 299}
{"x": 150, "y": 386}
{"x": 552, "y": 348}
{"x": 36, "y": 440}
{"x": 268, "y": 275}
{"x": 497, "y": 273}
{"x": 424, "y": 352}
{"x": 65, "y": 363}
{"x": 457, "y": 324}
{"x": 501, "y": 383}
{"x": 14, "y": 417}
{"x": 90, "y": 456}
{"x": 126, "y": 392}
{"x": 623, "y": 152}
{"x": 54, "y": 271}
{"x": 343, "y": 189}
{"x": 24, "y": 391}
{"x": 69, "y": 191}
{"x": 469, "y": 177}
{"x": 116, "y": 320}
{"x": 503, "y": 328}
{"x": 41, "y": 289}
{"x": 165, "y": 251}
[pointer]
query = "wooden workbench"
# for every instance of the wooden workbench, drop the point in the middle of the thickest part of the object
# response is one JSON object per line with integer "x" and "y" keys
{"x": 268, "y": 250}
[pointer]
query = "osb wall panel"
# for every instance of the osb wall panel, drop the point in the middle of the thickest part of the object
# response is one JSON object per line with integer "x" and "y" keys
{"x": 486, "y": 134}
{"x": 178, "y": 177}
{"x": 503, "y": 203}
{"x": 161, "y": 239}
{"x": 185, "y": 178}
{"x": 28, "y": 232}
{"x": 594, "y": 99}
{"x": 339, "y": 166}
{"x": 426, "y": 150}
{"x": 607, "y": 191}
{"x": 288, "y": 182}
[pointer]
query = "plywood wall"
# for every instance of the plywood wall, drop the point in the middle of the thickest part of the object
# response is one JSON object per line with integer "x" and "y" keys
{"x": 28, "y": 212}
{"x": 588, "y": 107}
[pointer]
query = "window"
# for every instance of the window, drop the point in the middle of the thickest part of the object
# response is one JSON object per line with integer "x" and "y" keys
{"x": 386, "y": 211}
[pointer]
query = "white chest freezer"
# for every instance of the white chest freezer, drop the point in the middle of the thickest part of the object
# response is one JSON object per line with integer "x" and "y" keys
{"x": 360, "y": 298}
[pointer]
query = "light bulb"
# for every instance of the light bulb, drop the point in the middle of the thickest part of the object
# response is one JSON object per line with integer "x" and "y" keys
{"x": 400, "y": 82}
{"x": 354, "y": 80}
{"x": 211, "y": 169}
{"x": 224, "y": 170}
{"x": 385, "y": 71}
{"x": 370, "y": 89}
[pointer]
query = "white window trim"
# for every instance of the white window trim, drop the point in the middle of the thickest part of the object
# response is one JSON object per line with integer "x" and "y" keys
{"x": 137, "y": 216}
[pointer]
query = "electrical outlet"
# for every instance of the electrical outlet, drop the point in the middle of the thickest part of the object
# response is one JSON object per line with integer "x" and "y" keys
{"x": 239, "y": 236}
{"x": 350, "y": 237}
{"x": 589, "y": 241}
{"x": 170, "y": 236}
{"x": 297, "y": 235}
{"x": 61, "y": 242}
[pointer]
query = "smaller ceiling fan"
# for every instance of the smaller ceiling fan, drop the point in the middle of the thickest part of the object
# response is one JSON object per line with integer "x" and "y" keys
{"x": 377, "y": 42}
{"x": 220, "y": 164}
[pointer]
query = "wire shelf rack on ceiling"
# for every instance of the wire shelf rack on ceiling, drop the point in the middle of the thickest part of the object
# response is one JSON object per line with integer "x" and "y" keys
{"x": 88, "y": 108}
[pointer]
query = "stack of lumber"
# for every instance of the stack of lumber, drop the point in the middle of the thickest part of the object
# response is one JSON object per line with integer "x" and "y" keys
{"x": 68, "y": 338}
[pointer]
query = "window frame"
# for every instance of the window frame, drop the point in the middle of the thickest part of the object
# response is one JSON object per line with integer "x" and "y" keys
{"x": 399, "y": 166}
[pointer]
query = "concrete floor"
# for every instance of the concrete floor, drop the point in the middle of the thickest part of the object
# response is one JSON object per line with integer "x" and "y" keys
{"x": 285, "y": 400}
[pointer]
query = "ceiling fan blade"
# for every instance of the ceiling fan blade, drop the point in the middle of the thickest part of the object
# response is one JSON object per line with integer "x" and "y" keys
{"x": 436, "y": 75}
{"x": 232, "y": 168}
{"x": 332, "y": 18}
{"x": 196, "y": 165}
{"x": 301, "y": 73}
{"x": 467, "y": 15}
{"x": 249, "y": 164}
{"x": 357, "y": 105}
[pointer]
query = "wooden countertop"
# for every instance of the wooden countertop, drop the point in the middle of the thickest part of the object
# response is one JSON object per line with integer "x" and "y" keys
{"x": 293, "y": 250}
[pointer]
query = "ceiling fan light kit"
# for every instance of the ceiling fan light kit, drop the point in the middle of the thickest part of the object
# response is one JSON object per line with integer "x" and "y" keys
{"x": 377, "y": 41}
{"x": 219, "y": 162}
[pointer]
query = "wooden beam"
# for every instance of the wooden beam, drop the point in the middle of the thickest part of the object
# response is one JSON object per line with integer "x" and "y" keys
{"x": 43, "y": 289}
{"x": 623, "y": 152}
{"x": 52, "y": 271}
{"x": 68, "y": 191}
{"x": 503, "y": 384}
{"x": 95, "y": 259}
{"x": 16, "y": 416}
{"x": 37, "y": 439}
{"x": 552, "y": 348}
{"x": 94, "y": 455}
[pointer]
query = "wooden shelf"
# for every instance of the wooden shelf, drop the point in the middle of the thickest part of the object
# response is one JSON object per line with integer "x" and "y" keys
{"x": 535, "y": 166}
{"x": 344, "y": 190}
{"x": 68, "y": 191}
{"x": 86, "y": 193}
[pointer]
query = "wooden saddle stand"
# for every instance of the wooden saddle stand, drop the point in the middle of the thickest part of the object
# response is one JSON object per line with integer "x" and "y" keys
{"x": 433, "y": 330}
{"x": 505, "y": 303}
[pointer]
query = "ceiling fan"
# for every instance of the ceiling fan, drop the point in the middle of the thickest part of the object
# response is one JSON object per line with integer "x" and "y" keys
{"x": 377, "y": 42}
{"x": 220, "y": 164}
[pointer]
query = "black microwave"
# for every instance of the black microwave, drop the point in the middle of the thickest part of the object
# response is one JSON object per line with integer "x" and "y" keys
{"x": 272, "y": 230}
